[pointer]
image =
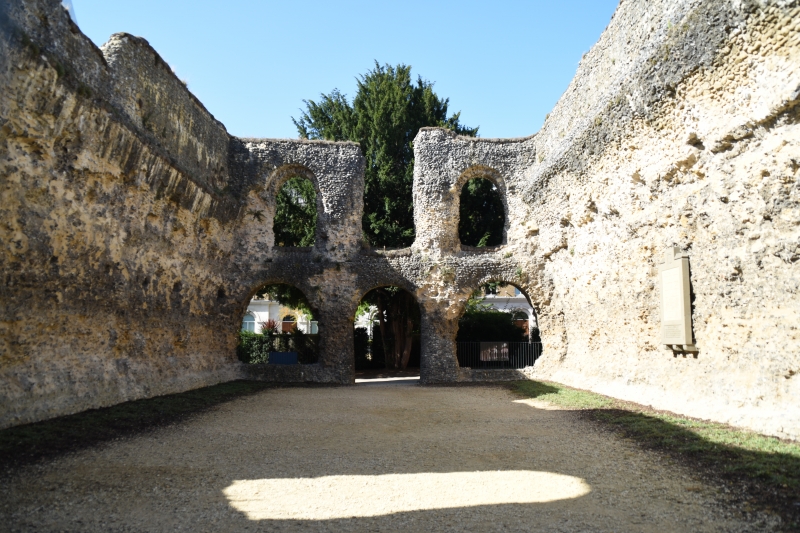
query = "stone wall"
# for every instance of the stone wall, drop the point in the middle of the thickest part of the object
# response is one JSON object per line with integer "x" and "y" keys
{"x": 126, "y": 207}
{"x": 690, "y": 138}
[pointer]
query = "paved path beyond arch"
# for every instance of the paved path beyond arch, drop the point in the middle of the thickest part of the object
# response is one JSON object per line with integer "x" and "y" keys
{"x": 368, "y": 458}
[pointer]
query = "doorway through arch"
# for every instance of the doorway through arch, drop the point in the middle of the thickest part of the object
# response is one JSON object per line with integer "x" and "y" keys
{"x": 498, "y": 329}
{"x": 387, "y": 330}
{"x": 279, "y": 327}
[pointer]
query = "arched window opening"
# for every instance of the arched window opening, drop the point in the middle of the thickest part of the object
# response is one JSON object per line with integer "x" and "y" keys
{"x": 387, "y": 330}
{"x": 283, "y": 328}
{"x": 481, "y": 214}
{"x": 296, "y": 215}
{"x": 498, "y": 329}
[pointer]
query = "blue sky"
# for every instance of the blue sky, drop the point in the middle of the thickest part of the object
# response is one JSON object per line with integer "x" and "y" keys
{"x": 503, "y": 64}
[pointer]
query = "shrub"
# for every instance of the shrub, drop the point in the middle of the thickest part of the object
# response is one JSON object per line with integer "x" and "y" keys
{"x": 489, "y": 326}
{"x": 255, "y": 347}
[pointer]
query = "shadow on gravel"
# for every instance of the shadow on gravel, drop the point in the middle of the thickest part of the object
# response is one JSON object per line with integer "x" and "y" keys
{"x": 764, "y": 471}
{"x": 194, "y": 485}
{"x": 30, "y": 442}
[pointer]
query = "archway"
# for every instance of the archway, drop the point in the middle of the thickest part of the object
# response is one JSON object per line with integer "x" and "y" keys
{"x": 498, "y": 329}
{"x": 481, "y": 214}
{"x": 387, "y": 330}
{"x": 295, "y": 222}
{"x": 279, "y": 328}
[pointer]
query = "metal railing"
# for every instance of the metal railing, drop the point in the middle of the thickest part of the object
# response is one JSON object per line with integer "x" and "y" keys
{"x": 497, "y": 355}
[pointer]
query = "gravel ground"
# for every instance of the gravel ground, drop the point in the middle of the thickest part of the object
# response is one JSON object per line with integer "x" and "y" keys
{"x": 384, "y": 456}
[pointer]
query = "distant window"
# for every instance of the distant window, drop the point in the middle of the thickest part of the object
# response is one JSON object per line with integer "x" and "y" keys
{"x": 517, "y": 292}
{"x": 249, "y": 323}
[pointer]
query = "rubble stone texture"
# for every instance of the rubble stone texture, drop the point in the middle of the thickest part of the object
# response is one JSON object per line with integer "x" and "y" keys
{"x": 136, "y": 229}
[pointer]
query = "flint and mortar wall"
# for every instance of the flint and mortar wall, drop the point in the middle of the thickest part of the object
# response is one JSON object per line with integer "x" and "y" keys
{"x": 680, "y": 128}
{"x": 126, "y": 234}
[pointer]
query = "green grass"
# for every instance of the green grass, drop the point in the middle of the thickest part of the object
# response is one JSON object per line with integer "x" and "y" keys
{"x": 22, "y": 444}
{"x": 560, "y": 395}
{"x": 767, "y": 468}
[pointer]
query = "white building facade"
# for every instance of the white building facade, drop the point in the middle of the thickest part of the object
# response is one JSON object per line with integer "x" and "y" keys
{"x": 261, "y": 311}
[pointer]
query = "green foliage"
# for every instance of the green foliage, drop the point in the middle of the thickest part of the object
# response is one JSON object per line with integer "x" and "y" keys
{"x": 385, "y": 116}
{"x": 296, "y": 217}
{"x": 477, "y": 300}
{"x": 287, "y": 295}
{"x": 481, "y": 214}
{"x": 254, "y": 348}
{"x": 363, "y": 308}
{"x": 489, "y": 326}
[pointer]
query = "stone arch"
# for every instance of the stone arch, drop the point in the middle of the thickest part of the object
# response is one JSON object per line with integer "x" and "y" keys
{"x": 280, "y": 175}
{"x": 525, "y": 288}
{"x": 481, "y": 172}
{"x": 406, "y": 286}
{"x": 310, "y": 295}
{"x": 264, "y": 311}
{"x": 256, "y": 235}
{"x": 521, "y": 353}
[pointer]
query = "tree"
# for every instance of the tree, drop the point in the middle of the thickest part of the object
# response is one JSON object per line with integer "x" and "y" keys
{"x": 398, "y": 318}
{"x": 480, "y": 322}
{"x": 296, "y": 217}
{"x": 481, "y": 214}
{"x": 385, "y": 116}
{"x": 287, "y": 295}
{"x": 388, "y": 110}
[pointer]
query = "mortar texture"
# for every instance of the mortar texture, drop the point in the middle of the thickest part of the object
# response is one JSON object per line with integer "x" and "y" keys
{"x": 136, "y": 229}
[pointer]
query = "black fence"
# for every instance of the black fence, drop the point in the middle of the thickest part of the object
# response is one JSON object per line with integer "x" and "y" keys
{"x": 496, "y": 355}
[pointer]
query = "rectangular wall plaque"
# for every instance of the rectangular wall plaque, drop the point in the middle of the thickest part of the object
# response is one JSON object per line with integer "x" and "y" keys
{"x": 676, "y": 310}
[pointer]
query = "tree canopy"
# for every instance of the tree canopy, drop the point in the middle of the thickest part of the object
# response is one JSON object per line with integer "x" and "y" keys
{"x": 387, "y": 112}
{"x": 287, "y": 295}
{"x": 296, "y": 217}
{"x": 481, "y": 214}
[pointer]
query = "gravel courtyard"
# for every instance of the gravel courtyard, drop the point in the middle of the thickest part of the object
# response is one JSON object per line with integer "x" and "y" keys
{"x": 379, "y": 456}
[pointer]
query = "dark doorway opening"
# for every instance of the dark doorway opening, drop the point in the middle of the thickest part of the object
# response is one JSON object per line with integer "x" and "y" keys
{"x": 387, "y": 330}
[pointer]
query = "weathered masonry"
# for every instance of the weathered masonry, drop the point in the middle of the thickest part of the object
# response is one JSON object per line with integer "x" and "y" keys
{"x": 135, "y": 228}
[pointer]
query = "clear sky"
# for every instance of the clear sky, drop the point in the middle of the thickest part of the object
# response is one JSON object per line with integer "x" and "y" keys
{"x": 503, "y": 64}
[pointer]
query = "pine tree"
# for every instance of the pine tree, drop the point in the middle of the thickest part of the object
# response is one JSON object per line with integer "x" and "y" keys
{"x": 385, "y": 116}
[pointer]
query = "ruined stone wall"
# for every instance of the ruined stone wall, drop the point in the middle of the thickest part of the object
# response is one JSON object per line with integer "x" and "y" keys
{"x": 696, "y": 146}
{"x": 679, "y": 129}
{"x": 126, "y": 233}
{"x": 126, "y": 208}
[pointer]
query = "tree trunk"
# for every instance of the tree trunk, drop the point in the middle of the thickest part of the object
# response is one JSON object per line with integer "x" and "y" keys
{"x": 381, "y": 305}
{"x": 408, "y": 344}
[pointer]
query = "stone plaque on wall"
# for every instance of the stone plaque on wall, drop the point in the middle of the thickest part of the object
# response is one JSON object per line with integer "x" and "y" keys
{"x": 676, "y": 311}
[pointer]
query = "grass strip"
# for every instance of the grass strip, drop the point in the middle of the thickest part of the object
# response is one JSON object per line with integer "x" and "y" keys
{"x": 27, "y": 443}
{"x": 767, "y": 469}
